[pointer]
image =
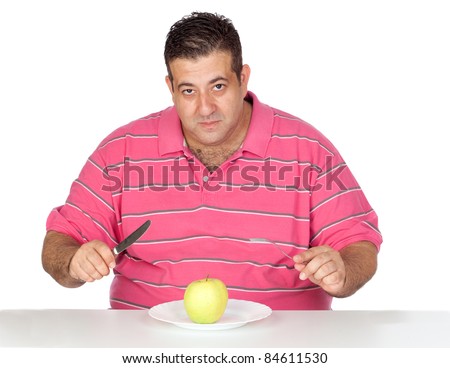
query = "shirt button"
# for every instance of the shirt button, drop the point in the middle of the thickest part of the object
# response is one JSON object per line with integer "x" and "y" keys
{"x": 205, "y": 178}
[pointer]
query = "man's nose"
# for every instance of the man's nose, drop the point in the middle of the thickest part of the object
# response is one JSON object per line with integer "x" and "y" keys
{"x": 206, "y": 105}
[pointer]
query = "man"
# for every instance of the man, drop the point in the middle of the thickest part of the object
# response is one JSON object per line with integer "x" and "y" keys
{"x": 230, "y": 185}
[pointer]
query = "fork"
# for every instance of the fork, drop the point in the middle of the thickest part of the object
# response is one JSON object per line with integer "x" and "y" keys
{"x": 262, "y": 240}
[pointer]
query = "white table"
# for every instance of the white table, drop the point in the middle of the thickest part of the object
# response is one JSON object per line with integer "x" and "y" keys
{"x": 283, "y": 329}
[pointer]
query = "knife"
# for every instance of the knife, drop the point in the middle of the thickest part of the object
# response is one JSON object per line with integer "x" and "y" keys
{"x": 130, "y": 239}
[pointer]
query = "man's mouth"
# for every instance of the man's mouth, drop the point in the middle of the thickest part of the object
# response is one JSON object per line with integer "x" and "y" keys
{"x": 209, "y": 124}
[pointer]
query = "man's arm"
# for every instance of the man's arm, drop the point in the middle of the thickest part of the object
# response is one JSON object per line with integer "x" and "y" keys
{"x": 339, "y": 273}
{"x": 57, "y": 253}
{"x": 360, "y": 260}
{"x": 70, "y": 264}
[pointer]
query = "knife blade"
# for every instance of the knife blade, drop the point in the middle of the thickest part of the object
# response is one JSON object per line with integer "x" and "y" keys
{"x": 130, "y": 239}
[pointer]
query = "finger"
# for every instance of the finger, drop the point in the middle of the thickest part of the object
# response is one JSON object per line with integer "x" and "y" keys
{"x": 95, "y": 266}
{"x": 332, "y": 279}
{"x": 88, "y": 271}
{"x": 105, "y": 253}
{"x": 314, "y": 280}
{"x": 88, "y": 265}
{"x": 325, "y": 270}
{"x": 107, "y": 256}
{"x": 299, "y": 266}
{"x": 313, "y": 266}
{"x": 78, "y": 273}
{"x": 101, "y": 257}
{"x": 310, "y": 254}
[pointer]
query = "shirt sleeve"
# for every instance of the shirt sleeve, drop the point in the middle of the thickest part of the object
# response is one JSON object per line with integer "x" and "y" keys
{"x": 89, "y": 211}
{"x": 340, "y": 212}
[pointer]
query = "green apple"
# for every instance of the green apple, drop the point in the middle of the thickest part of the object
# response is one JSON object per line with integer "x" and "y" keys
{"x": 205, "y": 300}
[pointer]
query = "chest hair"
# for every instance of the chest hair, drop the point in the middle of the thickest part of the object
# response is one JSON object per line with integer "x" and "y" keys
{"x": 212, "y": 158}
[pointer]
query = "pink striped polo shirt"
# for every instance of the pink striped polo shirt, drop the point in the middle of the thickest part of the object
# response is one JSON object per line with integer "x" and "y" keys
{"x": 287, "y": 184}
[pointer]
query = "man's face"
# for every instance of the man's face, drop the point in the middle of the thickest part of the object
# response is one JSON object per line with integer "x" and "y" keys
{"x": 209, "y": 99}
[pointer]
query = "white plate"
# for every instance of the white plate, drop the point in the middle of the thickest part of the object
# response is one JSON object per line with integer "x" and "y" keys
{"x": 237, "y": 314}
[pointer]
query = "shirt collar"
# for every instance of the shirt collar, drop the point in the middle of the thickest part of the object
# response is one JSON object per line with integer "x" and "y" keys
{"x": 171, "y": 137}
{"x": 260, "y": 129}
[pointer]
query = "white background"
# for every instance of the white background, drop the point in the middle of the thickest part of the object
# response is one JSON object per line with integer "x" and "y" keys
{"x": 373, "y": 76}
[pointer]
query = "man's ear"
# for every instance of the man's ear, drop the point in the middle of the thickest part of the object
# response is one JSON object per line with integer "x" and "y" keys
{"x": 169, "y": 85}
{"x": 245, "y": 76}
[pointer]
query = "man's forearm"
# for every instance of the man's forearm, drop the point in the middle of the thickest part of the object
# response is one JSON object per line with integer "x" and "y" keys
{"x": 57, "y": 252}
{"x": 360, "y": 261}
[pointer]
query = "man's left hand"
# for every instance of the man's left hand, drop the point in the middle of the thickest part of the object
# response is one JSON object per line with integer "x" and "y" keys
{"x": 323, "y": 266}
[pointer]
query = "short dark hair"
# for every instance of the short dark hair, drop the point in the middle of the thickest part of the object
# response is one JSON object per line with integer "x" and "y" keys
{"x": 200, "y": 34}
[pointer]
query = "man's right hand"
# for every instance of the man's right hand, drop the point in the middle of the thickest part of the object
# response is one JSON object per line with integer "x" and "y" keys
{"x": 72, "y": 264}
{"x": 91, "y": 262}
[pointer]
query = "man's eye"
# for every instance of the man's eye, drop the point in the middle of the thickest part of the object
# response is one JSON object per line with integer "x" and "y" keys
{"x": 188, "y": 91}
{"x": 218, "y": 87}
